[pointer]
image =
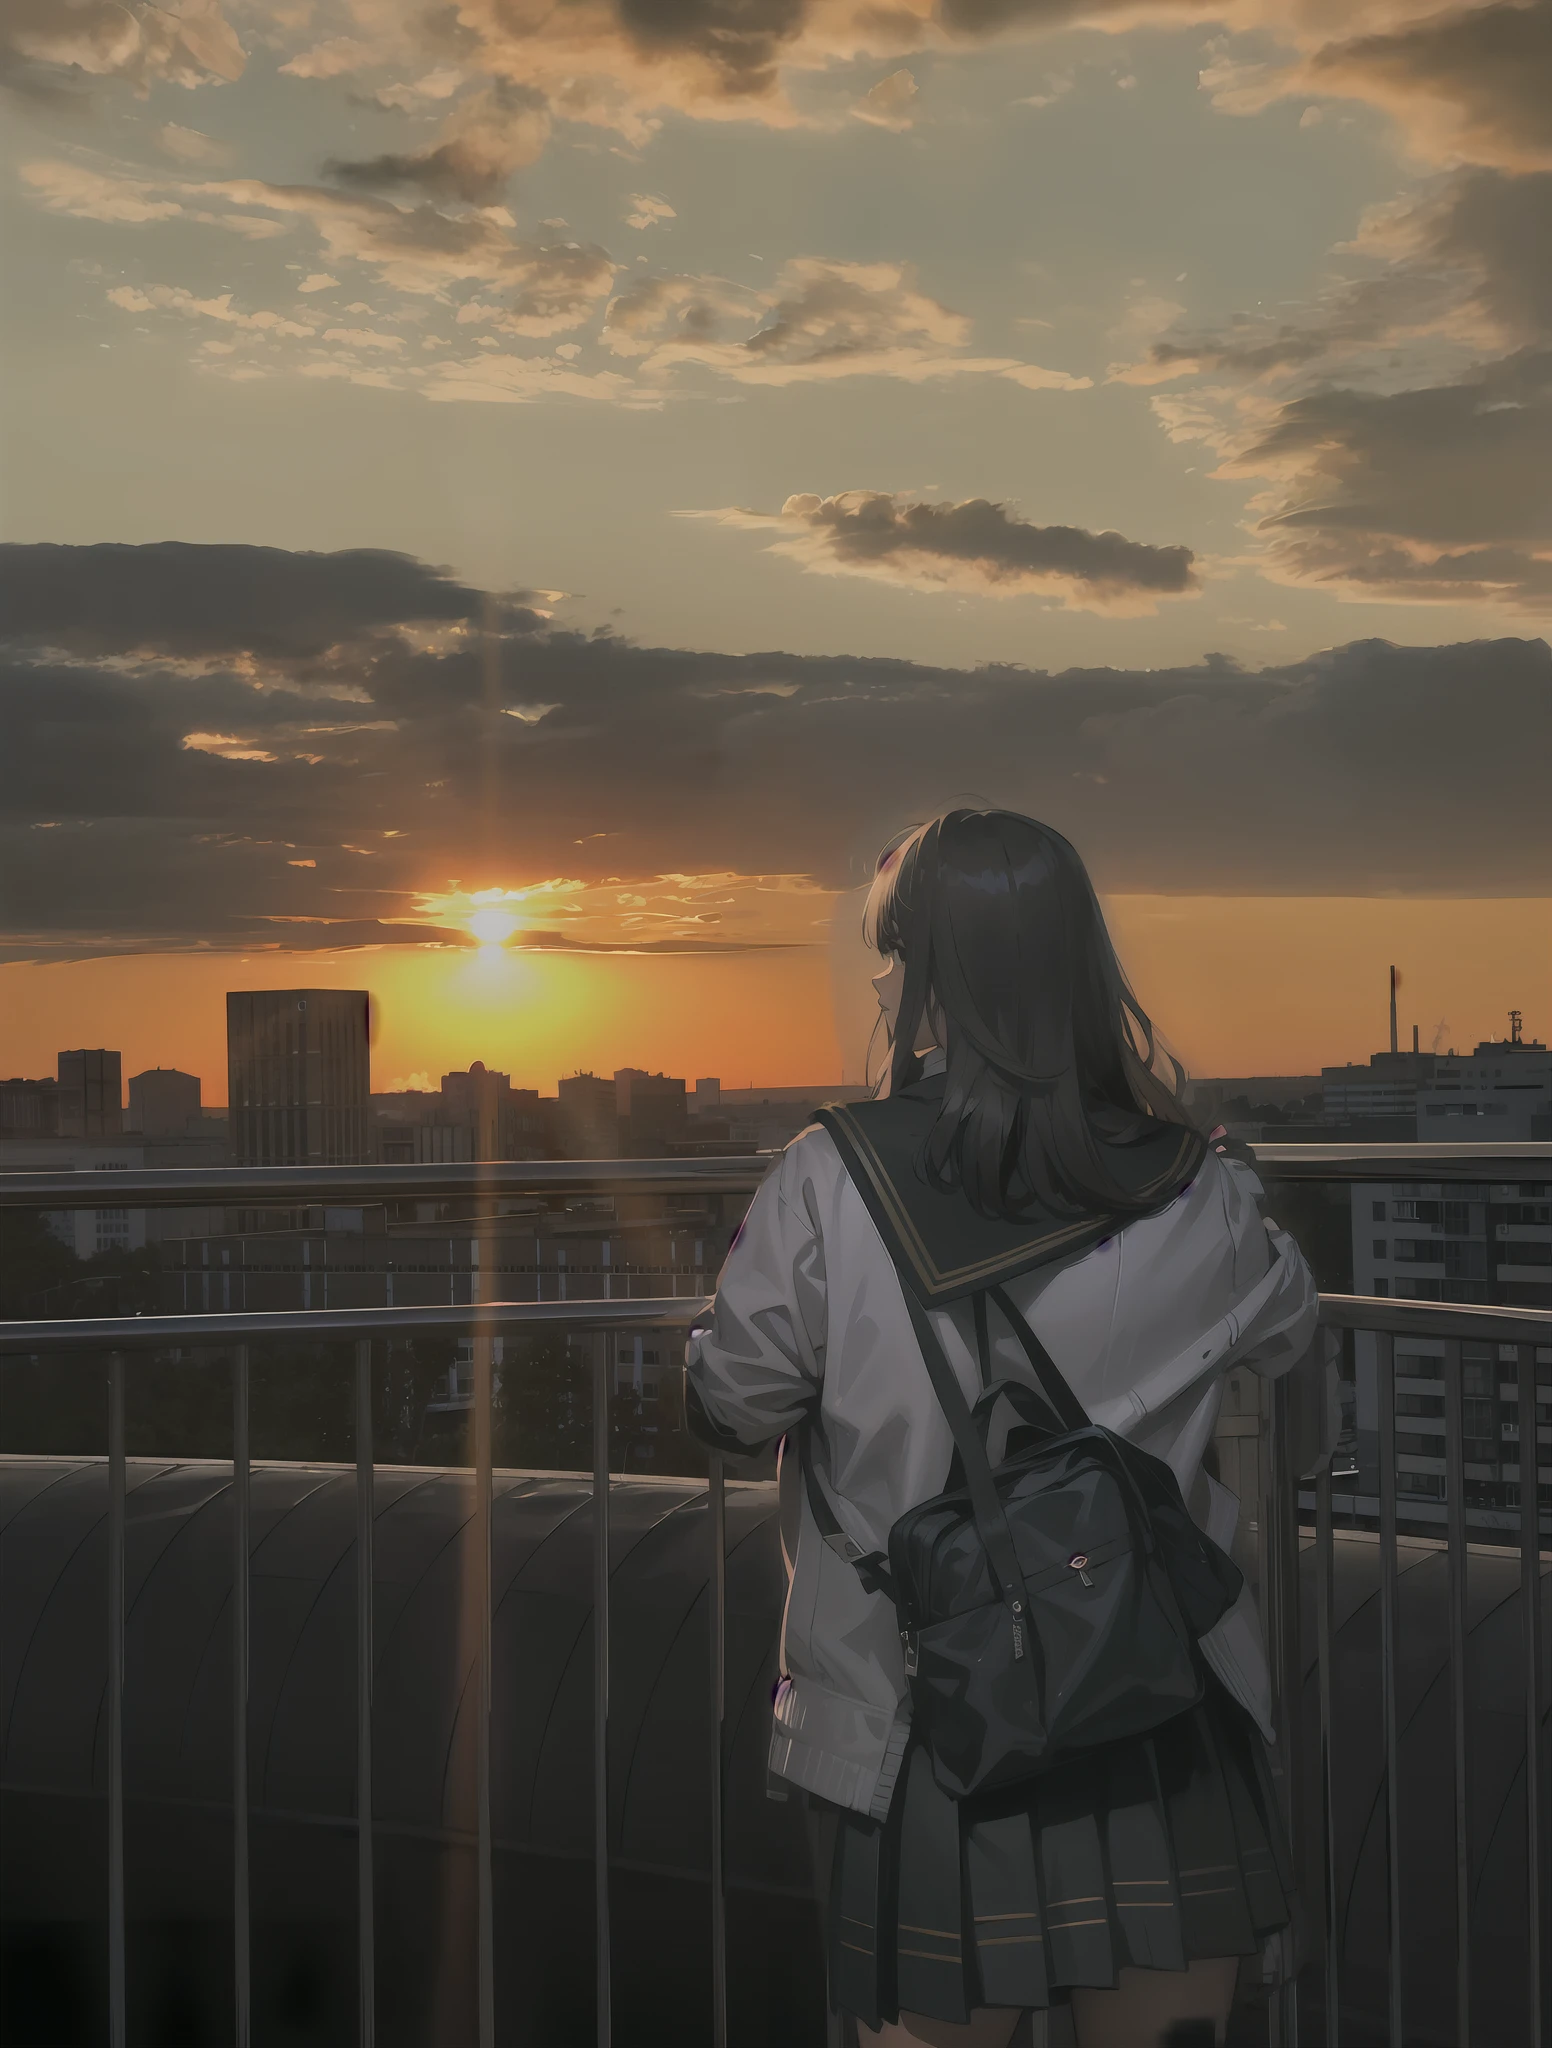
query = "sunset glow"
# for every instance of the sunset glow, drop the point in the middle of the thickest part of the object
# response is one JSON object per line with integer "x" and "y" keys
{"x": 1236, "y": 985}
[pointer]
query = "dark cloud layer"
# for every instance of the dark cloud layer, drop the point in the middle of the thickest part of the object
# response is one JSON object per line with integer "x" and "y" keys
{"x": 187, "y": 600}
{"x": 151, "y": 799}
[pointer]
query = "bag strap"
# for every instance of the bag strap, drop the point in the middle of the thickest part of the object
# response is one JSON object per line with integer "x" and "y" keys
{"x": 991, "y": 1521}
{"x": 1069, "y": 1409}
{"x": 983, "y": 1347}
{"x": 871, "y": 1566}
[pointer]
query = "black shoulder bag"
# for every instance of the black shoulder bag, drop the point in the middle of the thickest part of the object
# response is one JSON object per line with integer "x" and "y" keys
{"x": 1047, "y": 1605}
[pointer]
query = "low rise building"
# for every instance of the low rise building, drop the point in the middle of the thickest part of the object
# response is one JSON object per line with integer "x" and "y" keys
{"x": 164, "y": 1103}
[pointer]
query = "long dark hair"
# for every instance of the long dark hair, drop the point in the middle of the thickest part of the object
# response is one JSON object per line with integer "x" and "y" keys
{"x": 1051, "y": 1058}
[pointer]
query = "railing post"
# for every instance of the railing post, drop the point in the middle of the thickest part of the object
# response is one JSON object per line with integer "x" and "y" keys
{"x": 1455, "y": 1528}
{"x": 484, "y": 1374}
{"x": 716, "y": 1608}
{"x": 1385, "y": 1394}
{"x": 118, "y": 1482}
{"x": 1325, "y": 1565}
{"x": 366, "y": 1920}
{"x": 1535, "y": 1699}
{"x": 602, "y": 1348}
{"x": 242, "y": 1950}
{"x": 1280, "y": 1554}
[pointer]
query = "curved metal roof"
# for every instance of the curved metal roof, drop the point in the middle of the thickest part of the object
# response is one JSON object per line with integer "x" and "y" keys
{"x": 302, "y": 1734}
{"x": 302, "y": 1751}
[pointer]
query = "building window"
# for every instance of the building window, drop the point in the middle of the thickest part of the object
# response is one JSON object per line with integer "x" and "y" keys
{"x": 1414, "y": 1444}
{"x": 1379, "y": 1212}
{"x": 1382, "y": 1286}
{"x": 1419, "y": 1365}
{"x": 1379, "y": 1248}
{"x": 1422, "y": 1404}
{"x": 1465, "y": 1260}
{"x": 1426, "y": 1485}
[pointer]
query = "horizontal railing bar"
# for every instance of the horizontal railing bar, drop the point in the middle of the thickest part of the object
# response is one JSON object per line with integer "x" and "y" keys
{"x": 351, "y": 1187}
{"x": 155, "y": 1333}
{"x": 272, "y": 1187}
{"x": 1481, "y": 1324}
{"x": 1506, "y": 1162}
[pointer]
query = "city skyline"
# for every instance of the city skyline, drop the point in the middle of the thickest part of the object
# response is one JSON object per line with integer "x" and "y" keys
{"x": 387, "y": 1077}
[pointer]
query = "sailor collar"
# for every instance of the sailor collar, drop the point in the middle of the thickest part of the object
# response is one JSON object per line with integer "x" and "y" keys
{"x": 943, "y": 1246}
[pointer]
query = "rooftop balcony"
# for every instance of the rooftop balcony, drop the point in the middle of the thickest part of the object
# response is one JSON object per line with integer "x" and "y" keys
{"x": 307, "y": 1751}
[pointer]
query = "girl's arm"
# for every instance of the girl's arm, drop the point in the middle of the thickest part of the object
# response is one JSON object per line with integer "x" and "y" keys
{"x": 753, "y": 1368}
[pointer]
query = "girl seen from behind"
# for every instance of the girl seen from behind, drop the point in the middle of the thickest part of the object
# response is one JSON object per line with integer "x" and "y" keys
{"x": 1023, "y": 1692}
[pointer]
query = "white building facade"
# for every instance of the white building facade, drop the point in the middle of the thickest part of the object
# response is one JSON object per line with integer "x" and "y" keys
{"x": 1488, "y": 1243}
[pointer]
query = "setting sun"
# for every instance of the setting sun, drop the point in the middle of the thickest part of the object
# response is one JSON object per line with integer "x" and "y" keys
{"x": 492, "y": 927}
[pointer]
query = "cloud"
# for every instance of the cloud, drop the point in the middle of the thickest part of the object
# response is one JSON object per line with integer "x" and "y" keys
{"x": 1403, "y": 425}
{"x": 1461, "y": 262}
{"x": 552, "y": 288}
{"x": 521, "y": 380}
{"x": 332, "y": 58}
{"x": 1438, "y": 493}
{"x": 354, "y": 701}
{"x": 546, "y": 287}
{"x": 174, "y": 299}
{"x": 46, "y": 47}
{"x": 92, "y": 195}
{"x": 189, "y": 146}
{"x": 1470, "y": 84}
{"x": 647, "y": 210}
{"x": 822, "y": 320}
{"x": 363, "y": 337}
{"x": 423, "y": 251}
{"x": 487, "y": 137}
{"x": 975, "y": 546}
{"x": 891, "y": 103}
{"x": 623, "y": 64}
{"x": 182, "y": 600}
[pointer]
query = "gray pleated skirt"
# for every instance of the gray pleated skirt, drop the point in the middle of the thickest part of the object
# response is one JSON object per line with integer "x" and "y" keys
{"x": 1150, "y": 1853}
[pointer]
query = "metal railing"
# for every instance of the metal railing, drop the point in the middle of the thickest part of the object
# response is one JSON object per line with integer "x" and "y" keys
{"x": 1526, "y": 1332}
{"x": 282, "y": 1187}
{"x": 1276, "y": 1514}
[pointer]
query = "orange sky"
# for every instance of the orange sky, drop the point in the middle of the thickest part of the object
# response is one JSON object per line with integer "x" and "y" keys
{"x": 1239, "y": 985}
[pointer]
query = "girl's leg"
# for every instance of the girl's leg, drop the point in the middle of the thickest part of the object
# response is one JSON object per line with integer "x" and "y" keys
{"x": 990, "y": 2027}
{"x": 1147, "y": 2004}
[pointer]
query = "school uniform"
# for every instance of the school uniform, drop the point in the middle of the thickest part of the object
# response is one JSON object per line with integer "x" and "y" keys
{"x": 1149, "y": 1852}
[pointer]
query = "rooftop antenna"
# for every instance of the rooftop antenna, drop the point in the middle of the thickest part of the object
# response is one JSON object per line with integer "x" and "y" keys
{"x": 1395, "y": 981}
{"x": 1515, "y": 1021}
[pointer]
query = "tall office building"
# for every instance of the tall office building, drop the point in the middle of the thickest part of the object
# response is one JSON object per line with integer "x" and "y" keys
{"x": 651, "y": 1109}
{"x": 298, "y": 1076}
{"x": 164, "y": 1104}
{"x": 91, "y": 1094}
{"x": 588, "y": 1117}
